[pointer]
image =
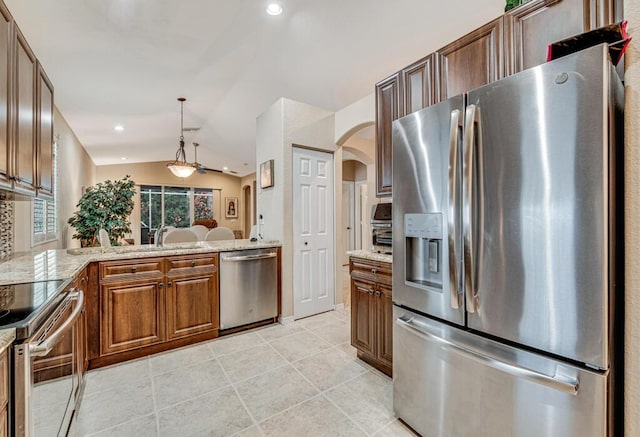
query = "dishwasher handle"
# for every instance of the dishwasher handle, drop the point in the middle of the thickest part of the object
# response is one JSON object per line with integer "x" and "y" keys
{"x": 249, "y": 257}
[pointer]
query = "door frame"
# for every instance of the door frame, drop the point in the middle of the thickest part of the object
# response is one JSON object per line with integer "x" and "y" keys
{"x": 359, "y": 215}
{"x": 336, "y": 221}
{"x": 352, "y": 220}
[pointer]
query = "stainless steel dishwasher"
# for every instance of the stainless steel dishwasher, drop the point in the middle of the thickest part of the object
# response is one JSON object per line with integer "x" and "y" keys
{"x": 248, "y": 286}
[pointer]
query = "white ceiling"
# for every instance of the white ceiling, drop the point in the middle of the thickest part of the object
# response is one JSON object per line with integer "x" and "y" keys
{"x": 127, "y": 61}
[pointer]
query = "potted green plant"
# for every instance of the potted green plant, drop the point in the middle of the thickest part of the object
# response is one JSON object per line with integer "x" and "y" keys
{"x": 107, "y": 206}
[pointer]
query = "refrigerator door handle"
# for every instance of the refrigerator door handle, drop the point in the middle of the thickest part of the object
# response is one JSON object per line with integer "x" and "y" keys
{"x": 453, "y": 210}
{"x": 564, "y": 385}
{"x": 469, "y": 135}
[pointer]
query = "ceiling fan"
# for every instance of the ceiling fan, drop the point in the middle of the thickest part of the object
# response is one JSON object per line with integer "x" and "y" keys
{"x": 199, "y": 167}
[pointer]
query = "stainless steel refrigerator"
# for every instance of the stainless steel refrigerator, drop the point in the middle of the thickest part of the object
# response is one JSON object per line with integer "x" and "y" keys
{"x": 506, "y": 204}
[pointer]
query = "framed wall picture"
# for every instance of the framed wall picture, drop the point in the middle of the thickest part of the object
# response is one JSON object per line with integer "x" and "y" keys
{"x": 266, "y": 174}
{"x": 231, "y": 207}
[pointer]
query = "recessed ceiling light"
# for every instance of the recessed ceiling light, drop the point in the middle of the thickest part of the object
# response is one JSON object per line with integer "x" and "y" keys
{"x": 124, "y": 158}
{"x": 274, "y": 9}
{"x": 225, "y": 168}
{"x": 118, "y": 127}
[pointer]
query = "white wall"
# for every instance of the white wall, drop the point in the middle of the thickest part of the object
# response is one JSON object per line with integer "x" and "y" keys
{"x": 75, "y": 171}
{"x": 284, "y": 124}
{"x": 354, "y": 117}
{"x": 632, "y": 224}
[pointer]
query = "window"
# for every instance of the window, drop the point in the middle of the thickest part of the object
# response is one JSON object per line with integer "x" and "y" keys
{"x": 44, "y": 221}
{"x": 173, "y": 206}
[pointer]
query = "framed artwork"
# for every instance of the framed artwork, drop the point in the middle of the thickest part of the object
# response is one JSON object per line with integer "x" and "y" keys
{"x": 231, "y": 207}
{"x": 266, "y": 174}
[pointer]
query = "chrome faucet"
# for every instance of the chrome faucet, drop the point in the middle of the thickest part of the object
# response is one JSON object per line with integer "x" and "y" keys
{"x": 158, "y": 237}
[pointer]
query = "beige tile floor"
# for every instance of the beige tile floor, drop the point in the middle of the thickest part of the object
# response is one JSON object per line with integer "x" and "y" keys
{"x": 299, "y": 379}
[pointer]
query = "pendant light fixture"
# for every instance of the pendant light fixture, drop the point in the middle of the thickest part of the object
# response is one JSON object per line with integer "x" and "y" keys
{"x": 180, "y": 167}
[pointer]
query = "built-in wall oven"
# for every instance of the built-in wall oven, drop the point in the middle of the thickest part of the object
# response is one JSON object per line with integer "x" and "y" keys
{"x": 381, "y": 228}
{"x": 46, "y": 357}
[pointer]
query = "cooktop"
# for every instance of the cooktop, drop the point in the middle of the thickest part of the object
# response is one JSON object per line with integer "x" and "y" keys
{"x": 21, "y": 303}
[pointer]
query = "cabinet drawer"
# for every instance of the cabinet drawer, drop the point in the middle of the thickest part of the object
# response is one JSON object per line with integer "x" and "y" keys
{"x": 4, "y": 378}
{"x": 192, "y": 265}
{"x": 128, "y": 270}
{"x": 371, "y": 270}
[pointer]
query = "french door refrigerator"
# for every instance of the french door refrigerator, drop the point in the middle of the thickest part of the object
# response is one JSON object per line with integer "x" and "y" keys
{"x": 504, "y": 246}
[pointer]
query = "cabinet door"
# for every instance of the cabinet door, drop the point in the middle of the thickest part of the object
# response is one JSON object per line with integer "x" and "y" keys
{"x": 471, "y": 61}
{"x": 384, "y": 322}
{"x": 25, "y": 112}
{"x": 192, "y": 305}
{"x": 4, "y": 429}
{"x": 44, "y": 148}
{"x": 363, "y": 315}
{"x": 4, "y": 378}
{"x": 6, "y": 153}
{"x": 530, "y": 28}
{"x": 132, "y": 315}
{"x": 388, "y": 108}
{"x": 419, "y": 87}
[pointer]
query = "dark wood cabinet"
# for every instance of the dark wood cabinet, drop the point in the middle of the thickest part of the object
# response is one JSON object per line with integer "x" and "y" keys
{"x": 132, "y": 314}
{"x": 6, "y": 64}
{"x": 474, "y": 60}
{"x": 44, "y": 135}
{"x": 385, "y": 325}
{"x": 372, "y": 312}
{"x": 419, "y": 80}
{"x": 24, "y": 136}
{"x": 389, "y": 107}
{"x": 363, "y": 314}
{"x": 152, "y": 304}
{"x": 192, "y": 300}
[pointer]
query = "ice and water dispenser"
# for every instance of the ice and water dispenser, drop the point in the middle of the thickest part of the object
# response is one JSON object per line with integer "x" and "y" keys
{"x": 423, "y": 245}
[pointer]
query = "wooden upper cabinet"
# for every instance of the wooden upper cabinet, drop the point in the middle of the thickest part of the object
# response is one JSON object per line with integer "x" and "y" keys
{"x": 471, "y": 61}
{"x": 6, "y": 65}
{"x": 45, "y": 135}
{"x": 419, "y": 85}
{"x": 24, "y": 137}
{"x": 389, "y": 107}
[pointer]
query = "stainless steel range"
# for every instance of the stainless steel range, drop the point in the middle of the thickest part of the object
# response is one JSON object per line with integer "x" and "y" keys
{"x": 46, "y": 363}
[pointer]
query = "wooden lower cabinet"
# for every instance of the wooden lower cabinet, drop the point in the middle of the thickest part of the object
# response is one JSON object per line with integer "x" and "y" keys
{"x": 4, "y": 393}
{"x": 192, "y": 305}
{"x": 372, "y": 313}
{"x": 150, "y": 305}
{"x": 363, "y": 315}
{"x": 132, "y": 315}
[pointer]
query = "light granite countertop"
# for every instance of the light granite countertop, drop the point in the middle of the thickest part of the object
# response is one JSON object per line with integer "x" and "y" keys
{"x": 374, "y": 256}
{"x": 65, "y": 264}
{"x": 6, "y": 337}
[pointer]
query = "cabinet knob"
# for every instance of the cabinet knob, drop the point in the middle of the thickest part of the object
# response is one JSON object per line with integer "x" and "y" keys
{"x": 160, "y": 284}
{"x": 170, "y": 283}
{"x": 378, "y": 293}
{"x": 374, "y": 271}
{"x": 371, "y": 291}
{"x": 133, "y": 269}
{"x": 193, "y": 263}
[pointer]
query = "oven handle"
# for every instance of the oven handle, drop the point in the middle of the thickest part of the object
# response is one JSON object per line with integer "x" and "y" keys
{"x": 45, "y": 346}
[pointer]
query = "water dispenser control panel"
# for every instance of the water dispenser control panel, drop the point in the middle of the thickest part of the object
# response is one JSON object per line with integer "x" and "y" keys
{"x": 423, "y": 226}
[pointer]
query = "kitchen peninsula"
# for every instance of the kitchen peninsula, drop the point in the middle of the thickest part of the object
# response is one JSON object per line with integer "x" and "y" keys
{"x": 139, "y": 300}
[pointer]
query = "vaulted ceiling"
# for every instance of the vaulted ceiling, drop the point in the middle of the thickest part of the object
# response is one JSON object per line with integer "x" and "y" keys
{"x": 127, "y": 61}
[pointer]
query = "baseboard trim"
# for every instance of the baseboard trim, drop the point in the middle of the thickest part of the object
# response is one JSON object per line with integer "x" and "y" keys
{"x": 285, "y": 320}
{"x": 339, "y": 307}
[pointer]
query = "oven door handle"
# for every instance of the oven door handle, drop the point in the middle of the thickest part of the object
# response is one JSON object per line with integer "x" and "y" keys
{"x": 43, "y": 348}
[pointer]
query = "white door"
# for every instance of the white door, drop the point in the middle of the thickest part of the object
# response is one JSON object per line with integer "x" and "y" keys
{"x": 313, "y": 234}
{"x": 348, "y": 219}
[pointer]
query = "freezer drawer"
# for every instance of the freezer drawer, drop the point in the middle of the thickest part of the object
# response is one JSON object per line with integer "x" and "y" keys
{"x": 448, "y": 382}
{"x": 248, "y": 287}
